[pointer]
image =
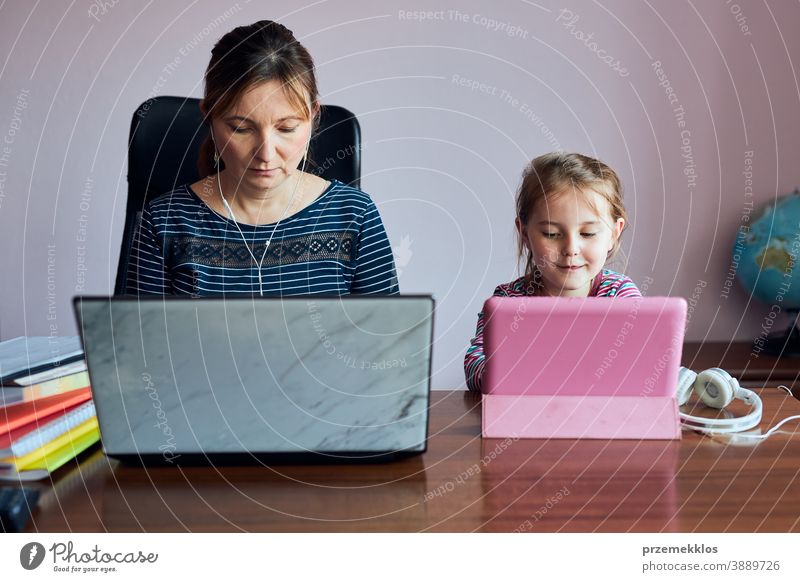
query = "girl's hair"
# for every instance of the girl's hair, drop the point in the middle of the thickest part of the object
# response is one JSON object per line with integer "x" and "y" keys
{"x": 248, "y": 56}
{"x": 555, "y": 173}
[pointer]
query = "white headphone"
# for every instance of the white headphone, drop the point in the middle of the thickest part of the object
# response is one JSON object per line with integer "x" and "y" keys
{"x": 717, "y": 389}
{"x": 258, "y": 263}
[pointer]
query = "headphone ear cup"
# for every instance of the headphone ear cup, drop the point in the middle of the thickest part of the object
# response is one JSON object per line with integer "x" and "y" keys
{"x": 715, "y": 387}
{"x": 686, "y": 379}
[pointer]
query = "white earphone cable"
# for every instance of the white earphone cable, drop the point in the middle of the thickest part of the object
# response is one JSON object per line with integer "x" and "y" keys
{"x": 771, "y": 431}
{"x": 761, "y": 436}
{"x": 260, "y": 263}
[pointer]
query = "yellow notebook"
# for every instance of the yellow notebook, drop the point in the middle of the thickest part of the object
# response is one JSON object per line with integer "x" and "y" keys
{"x": 60, "y": 450}
{"x": 58, "y": 458}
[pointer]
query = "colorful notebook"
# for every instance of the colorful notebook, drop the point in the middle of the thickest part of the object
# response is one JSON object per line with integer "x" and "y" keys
{"x": 44, "y": 456}
{"x": 22, "y": 413}
{"x": 40, "y": 463}
{"x": 52, "y": 374}
{"x": 12, "y": 395}
{"x": 24, "y": 356}
{"x": 30, "y": 437}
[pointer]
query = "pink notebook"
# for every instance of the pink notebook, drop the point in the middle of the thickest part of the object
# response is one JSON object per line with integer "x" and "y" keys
{"x": 582, "y": 367}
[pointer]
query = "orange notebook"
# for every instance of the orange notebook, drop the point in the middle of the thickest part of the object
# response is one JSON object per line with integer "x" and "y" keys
{"x": 20, "y": 414}
{"x": 11, "y": 441}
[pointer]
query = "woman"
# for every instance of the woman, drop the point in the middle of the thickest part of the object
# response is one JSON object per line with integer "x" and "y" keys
{"x": 256, "y": 224}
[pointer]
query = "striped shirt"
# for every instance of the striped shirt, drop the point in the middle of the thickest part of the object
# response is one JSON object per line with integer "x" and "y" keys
{"x": 607, "y": 283}
{"x": 336, "y": 245}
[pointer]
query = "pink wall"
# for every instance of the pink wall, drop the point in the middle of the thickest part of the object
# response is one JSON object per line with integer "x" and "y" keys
{"x": 441, "y": 159}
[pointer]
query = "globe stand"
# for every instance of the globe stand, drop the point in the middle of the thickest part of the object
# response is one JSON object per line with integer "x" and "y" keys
{"x": 786, "y": 343}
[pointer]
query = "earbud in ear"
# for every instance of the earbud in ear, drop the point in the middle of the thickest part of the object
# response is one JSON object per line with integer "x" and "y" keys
{"x": 305, "y": 153}
{"x": 214, "y": 141}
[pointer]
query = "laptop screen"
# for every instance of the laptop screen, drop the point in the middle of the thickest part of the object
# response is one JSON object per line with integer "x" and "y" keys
{"x": 323, "y": 374}
{"x": 588, "y": 346}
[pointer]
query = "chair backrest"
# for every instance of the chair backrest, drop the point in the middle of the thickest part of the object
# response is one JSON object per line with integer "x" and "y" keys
{"x": 166, "y": 134}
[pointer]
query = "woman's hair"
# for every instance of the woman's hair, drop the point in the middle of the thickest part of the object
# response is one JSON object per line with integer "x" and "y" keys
{"x": 558, "y": 172}
{"x": 248, "y": 56}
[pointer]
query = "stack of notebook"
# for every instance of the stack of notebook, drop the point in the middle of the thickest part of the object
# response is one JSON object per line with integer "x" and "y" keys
{"x": 46, "y": 412}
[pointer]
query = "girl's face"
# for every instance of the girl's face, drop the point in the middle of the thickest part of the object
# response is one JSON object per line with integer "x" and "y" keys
{"x": 262, "y": 138}
{"x": 570, "y": 235}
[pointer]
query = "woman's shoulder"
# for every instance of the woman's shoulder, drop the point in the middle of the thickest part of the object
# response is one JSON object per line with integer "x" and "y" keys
{"x": 350, "y": 207}
{"x": 344, "y": 194}
{"x": 617, "y": 284}
{"x": 179, "y": 212}
{"x": 179, "y": 198}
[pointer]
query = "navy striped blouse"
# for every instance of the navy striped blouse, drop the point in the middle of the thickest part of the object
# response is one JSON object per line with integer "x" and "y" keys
{"x": 336, "y": 245}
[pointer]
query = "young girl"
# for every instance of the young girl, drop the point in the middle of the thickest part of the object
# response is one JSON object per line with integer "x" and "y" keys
{"x": 569, "y": 220}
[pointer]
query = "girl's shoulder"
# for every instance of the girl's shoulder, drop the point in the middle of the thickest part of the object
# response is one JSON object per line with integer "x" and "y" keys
{"x": 613, "y": 284}
{"x": 516, "y": 288}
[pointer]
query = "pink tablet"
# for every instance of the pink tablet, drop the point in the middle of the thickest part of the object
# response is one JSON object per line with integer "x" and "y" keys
{"x": 582, "y": 367}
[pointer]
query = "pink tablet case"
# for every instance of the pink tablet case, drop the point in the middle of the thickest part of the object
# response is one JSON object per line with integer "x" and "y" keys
{"x": 582, "y": 367}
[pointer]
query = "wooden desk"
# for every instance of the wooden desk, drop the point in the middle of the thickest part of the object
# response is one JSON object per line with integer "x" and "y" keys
{"x": 462, "y": 483}
{"x": 739, "y": 359}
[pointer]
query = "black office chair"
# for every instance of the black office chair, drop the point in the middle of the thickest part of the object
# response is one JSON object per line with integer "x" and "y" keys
{"x": 166, "y": 134}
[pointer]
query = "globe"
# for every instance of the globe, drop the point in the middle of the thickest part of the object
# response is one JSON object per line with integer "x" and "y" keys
{"x": 765, "y": 259}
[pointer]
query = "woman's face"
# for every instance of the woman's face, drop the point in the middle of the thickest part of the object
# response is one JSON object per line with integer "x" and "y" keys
{"x": 570, "y": 235}
{"x": 262, "y": 138}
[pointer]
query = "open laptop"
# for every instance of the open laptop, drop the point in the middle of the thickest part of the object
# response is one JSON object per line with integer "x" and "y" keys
{"x": 239, "y": 380}
{"x": 582, "y": 367}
